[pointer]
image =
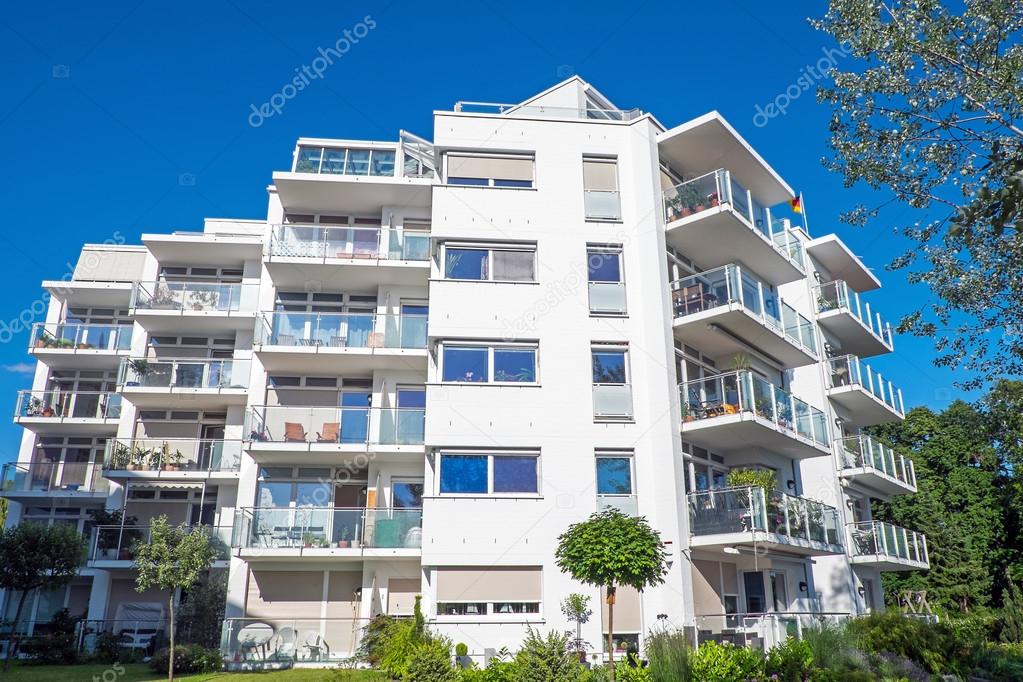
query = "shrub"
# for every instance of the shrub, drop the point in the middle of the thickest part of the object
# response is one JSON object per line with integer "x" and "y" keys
{"x": 496, "y": 671}
{"x": 1000, "y": 663}
{"x": 891, "y": 632}
{"x": 58, "y": 645}
{"x": 188, "y": 658}
{"x": 833, "y": 650}
{"x": 374, "y": 638}
{"x": 461, "y": 649}
{"x": 627, "y": 673}
{"x": 726, "y": 663}
{"x": 791, "y": 661}
{"x": 200, "y": 618}
{"x": 669, "y": 653}
{"x": 547, "y": 659}
{"x": 431, "y": 662}
{"x": 400, "y": 642}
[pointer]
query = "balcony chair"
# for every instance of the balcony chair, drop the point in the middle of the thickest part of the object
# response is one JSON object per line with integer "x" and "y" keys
{"x": 331, "y": 433}
{"x": 283, "y": 340}
{"x": 294, "y": 432}
{"x": 316, "y": 647}
{"x": 287, "y": 639}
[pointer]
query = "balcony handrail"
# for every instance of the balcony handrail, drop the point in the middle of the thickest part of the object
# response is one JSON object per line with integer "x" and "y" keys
{"x": 76, "y": 335}
{"x": 120, "y": 539}
{"x": 466, "y": 106}
{"x": 863, "y": 451}
{"x": 159, "y": 454}
{"x": 64, "y": 404}
{"x": 880, "y": 538}
{"x": 758, "y": 396}
{"x": 197, "y": 295}
{"x": 335, "y": 424}
{"x": 837, "y": 295}
{"x": 290, "y": 527}
{"x": 52, "y": 476}
{"x": 850, "y": 370}
{"x": 369, "y": 329}
{"x": 772, "y": 512}
{"x": 690, "y": 297}
{"x": 384, "y": 242}
{"x": 215, "y": 373}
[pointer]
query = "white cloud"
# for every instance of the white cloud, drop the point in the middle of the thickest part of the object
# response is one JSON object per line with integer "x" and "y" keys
{"x": 20, "y": 368}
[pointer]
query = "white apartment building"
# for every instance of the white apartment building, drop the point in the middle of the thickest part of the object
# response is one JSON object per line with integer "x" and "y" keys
{"x": 430, "y": 358}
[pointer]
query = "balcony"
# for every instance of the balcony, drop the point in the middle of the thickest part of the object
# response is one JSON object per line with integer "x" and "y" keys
{"x": 357, "y": 177}
{"x": 874, "y": 465}
{"x": 348, "y": 341}
{"x": 857, "y": 329}
{"x": 207, "y": 306}
{"x": 77, "y": 413}
{"x": 887, "y": 547}
{"x": 864, "y": 394}
{"x": 739, "y": 410}
{"x": 173, "y": 458}
{"x": 27, "y": 482}
{"x": 330, "y": 430}
{"x": 749, "y": 517}
{"x": 365, "y": 256}
{"x": 79, "y": 346}
{"x": 543, "y": 111}
{"x": 715, "y": 219}
{"x": 273, "y": 533}
{"x": 113, "y": 546}
{"x": 729, "y": 310}
{"x": 196, "y": 382}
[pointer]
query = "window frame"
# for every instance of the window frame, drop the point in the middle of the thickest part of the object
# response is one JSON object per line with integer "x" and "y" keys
{"x": 489, "y": 182}
{"x": 612, "y": 348}
{"x": 490, "y": 455}
{"x": 599, "y": 455}
{"x": 490, "y": 348}
{"x": 610, "y": 161}
{"x": 489, "y": 248}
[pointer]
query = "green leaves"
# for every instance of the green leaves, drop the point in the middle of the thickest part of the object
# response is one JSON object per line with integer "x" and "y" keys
{"x": 35, "y": 556}
{"x": 173, "y": 557}
{"x": 611, "y": 548}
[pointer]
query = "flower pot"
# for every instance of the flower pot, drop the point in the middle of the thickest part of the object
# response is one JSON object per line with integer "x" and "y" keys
{"x": 343, "y": 544}
{"x": 47, "y": 411}
{"x": 686, "y": 211}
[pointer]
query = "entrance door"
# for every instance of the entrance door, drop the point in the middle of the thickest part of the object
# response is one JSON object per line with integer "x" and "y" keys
{"x": 211, "y": 448}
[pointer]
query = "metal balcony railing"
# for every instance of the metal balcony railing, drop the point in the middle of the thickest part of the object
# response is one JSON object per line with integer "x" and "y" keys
{"x": 210, "y": 297}
{"x": 172, "y": 454}
{"x": 327, "y": 527}
{"x": 862, "y": 451}
{"x": 68, "y": 336}
{"x": 887, "y": 541}
{"x": 322, "y": 242}
{"x": 184, "y": 373}
{"x": 52, "y": 477}
{"x": 329, "y": 425}
{"x": 341, "y": 330}
{"x": 837, "y": 295}
{"x": 847, "y": 370}
{"x": 749, "y": 508}
{"x": 116, "y": 543}
{"x": 58, "y": 404}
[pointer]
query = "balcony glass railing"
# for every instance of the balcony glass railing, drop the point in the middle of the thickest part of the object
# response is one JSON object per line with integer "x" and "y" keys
{"x": 341, "y": 330}
{"x": 607, "y": 298}
{"x": 744, "y": 391}
{"x": 184, "y": 373}
{"x": 626, "y": 504}
{"x": 750, "y": 508}
{"x": 370, "y": 242}
{"x": 172, "y": 454}
{"x": 602, "y": 204}
{"x": 347, "y": 425}
{"x": 345, "y": 161}
{"x": 268, "y": 642}
{"x": 838, "y": 296}
{"x": 52, "y": 476}
{"x": 719, "y": 188}
{"x": 219, "y": 297}
{"x": 847, "y": 370}
{"x": 864, "y": 452}
{"x": 732, "y": 284}
{"x": 543, "y": 111}
{"x": 59, "y": 404}
{"x": 67, "y": 336}
{"x": 877, "y": 538}
{"x": 117, "y": 543}
{"x": 327, "y": 527}
{"x": 612, "y": 401}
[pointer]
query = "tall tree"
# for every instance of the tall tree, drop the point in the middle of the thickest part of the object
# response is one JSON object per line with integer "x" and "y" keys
{"x": 173, "y": 558}
{"x": 928, "y": 111}
{"x": 611, "y": 549}
{"x": 33, "y": 556}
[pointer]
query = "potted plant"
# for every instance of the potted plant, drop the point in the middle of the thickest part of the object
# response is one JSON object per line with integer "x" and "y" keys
{"x": 687, "y": 414}
{"x": 139, "y": 459}
{"x": 202, "y": 299}
{"x": 307, "y": 540}
{"x": 140, "y": 368}
{"x": 120, "y": 457}
{"x": 344, "y": 543}
{"x": 175, "y": 460}
{"x": 47, "y": 411}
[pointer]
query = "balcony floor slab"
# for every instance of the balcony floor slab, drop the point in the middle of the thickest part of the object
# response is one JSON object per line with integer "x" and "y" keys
{"x": 717, "y": 329}
{"x": 745, "y": 430}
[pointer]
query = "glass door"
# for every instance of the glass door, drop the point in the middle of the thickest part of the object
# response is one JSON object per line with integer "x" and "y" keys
{"x": 411, "y": 417}
{"x": 355, "y": 416}
{"x": 358, "y": 327}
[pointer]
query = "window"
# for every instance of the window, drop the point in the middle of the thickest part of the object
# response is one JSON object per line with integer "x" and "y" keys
{"x": 490, "y": 171}
{"x": 609, "y": 366}
{"x": 490, "y": 263}
{"x": 479, "y": 364}
{"x": 612, "y": 394}
{"x": 461, "y": 608}
{"x": 600, "y": 189}
{"x": 488, "y": 591}
{"x": 614, "y": 475}
{"x": 344, "y": 161}
{"x": 481, "y": 474}
{"x": 606, "y": 285}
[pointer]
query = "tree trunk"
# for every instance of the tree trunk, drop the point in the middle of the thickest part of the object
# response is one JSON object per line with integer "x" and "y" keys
{"x": 170, "y": 663}
{"x": 15, "y": 639}
{"x": 611, "y": 630}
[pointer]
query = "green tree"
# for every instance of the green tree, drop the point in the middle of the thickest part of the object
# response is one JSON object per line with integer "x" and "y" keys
{"x": 927, "y": 112}
{"x": 36, "y": 556}
{"x": 174, "y": 558}
{"x": 576, "y": 608}
{"x": 611, "y": 549}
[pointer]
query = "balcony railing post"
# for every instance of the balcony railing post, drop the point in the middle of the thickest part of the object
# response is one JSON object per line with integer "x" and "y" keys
{"x": 760, "y": 301}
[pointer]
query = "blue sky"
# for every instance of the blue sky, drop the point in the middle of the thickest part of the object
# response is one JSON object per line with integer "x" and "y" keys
{"x": 134, "y": 117}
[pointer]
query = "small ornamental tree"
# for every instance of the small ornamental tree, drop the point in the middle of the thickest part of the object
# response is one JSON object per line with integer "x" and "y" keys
{"x": 576, "y": 607}
{"x": 33, "y": 556}
{"x": 174, "y": 558}
{"x": 611, "y": 549}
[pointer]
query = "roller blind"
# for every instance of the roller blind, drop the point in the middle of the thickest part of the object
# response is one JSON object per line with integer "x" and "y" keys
{"x": 401, "y": 596}
{"x": 515, "y": 266}
{"x": 109, "y": 265}
{"x": 600, "y": 176}
{"x": 488, "y": 584}
{"x": 627, "y": 610}
{"x": 490, "y": 167}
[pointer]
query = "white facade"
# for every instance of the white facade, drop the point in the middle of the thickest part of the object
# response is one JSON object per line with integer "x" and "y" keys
{"x": 432, "y": 357}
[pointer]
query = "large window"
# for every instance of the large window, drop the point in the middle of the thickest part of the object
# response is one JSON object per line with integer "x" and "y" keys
{"x": 480, "y": 364}
{"x": 600, "y": 189}
{"x": 612, "y": 393}
{"x": 609, "y": 366}
{"x": 490, "y": 263}
{"x": 483, "y": 474}
{"x": 492, "y": 591}
{"x": 345, "y": 161}
{"x": 490, "y": 170}
{"x": 614, "y": 475}
{"x": 606, "y": 283}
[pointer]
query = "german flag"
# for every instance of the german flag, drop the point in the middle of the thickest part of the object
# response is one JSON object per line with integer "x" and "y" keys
{"x": 796, "y": 204}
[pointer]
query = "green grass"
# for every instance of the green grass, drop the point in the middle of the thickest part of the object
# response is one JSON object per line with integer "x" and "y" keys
{"x": 138, "y": 672}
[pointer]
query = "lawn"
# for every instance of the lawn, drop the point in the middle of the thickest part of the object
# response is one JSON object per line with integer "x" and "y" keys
{"x": 142, "y": 673}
